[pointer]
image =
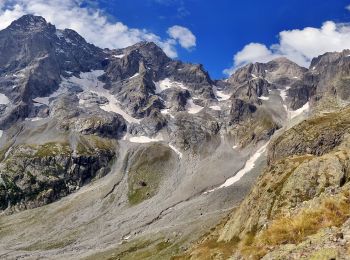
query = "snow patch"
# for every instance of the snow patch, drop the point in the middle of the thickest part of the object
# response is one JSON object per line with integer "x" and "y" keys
{"x": 143, "y": 139}
{"x": 283, "y": 93}
{"x": 8, "y": 152}
{"x": 135, "y": 75}
{"x": 68, "y": 41}
{"x": 264, "y": 98}
{"x": 34, "y": 119}
{"x": 304, "y": 109}
{"x": 249, "y": 165}
{"x": 293, "y": 113}
{"x": 166, "y": 84}
{"x": 192, "y": 108}
{"x": 290, "y": 113}
{"x": 88, "y": 79}
{"x": 176, "y": 150}
{"x": 119, "y": 56}
{"x": 216, "y": 108}
{"x": 113, "y": 106}
{"x": 59, "y": 34}
{"x": 1, "y": 132}
{"x": 220, "y": 95}
{"x": 167, "y": 112}
{"x": 4, "y": 99}
{"x": 125, "y": 238}
{"x": 89, "y": 82}
{"x": 46, "y": 100}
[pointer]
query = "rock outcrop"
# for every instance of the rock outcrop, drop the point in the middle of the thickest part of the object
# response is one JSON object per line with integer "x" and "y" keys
{"x": 300, "y": 205}
{"x": 33, "y": 175}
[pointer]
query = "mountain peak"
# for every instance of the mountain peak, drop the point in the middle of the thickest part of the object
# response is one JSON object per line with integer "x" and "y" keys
{"x": 329, "y": 58}
{"x": 29, "y": 22}
{"x": 282, "y": 60}
{"x": 147, "y": 47}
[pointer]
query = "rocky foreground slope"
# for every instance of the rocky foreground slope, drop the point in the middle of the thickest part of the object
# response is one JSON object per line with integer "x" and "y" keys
{"x": 300, "y": 206}
{"x": 128, "y": 154}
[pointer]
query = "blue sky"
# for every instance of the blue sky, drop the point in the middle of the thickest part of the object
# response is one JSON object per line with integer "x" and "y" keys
{"x": 224, "y": 27}
{"x": 222, "y": 34}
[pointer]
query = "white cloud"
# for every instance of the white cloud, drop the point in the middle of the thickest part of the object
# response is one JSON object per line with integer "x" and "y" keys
{"x": 90, "y": 22}
{"x": 347, "y": 7}
{"x": 185, "y": 37}
{"x": 252, "y": 52}
{"x": 297, "y": 45}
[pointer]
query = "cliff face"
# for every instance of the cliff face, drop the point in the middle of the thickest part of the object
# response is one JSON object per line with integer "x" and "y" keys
{"x": 35, "y": 175}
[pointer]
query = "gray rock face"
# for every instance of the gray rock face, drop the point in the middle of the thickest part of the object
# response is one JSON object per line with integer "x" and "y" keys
{"x": 176, "y": 99}
{"x": 316, "y": 136}
{"x": 195, "y": 132}
{"x": 34, "y": 57}
{"x": 256, "y": 80}
{"x": 330, "y": 72}
{"x": 300, "y": 93}
{"x": 253, "y": 89}
{"x": 34, "y": 175}
{"x": 34, "y": 51}
{"x": 240, "y": 110}
{"x": 132, "y": 77}
{"x": 279, "y": 71}
{"x": 136, "y": 96}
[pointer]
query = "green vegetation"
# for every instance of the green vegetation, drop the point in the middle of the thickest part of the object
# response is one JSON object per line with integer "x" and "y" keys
{"x": 38, "y": 172}
{"x": 325, "y": 254}
{"x": 255, "y": 129}
{"x": 51, "y": 149}
{"x": 140, "y": 249}
{"x": 294, "y": 229}
{"x": 49, "y": 245}
{"x": 318, "y": 135}
{"x": 146, "y": 173}
{"x": 91, "y": 144}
